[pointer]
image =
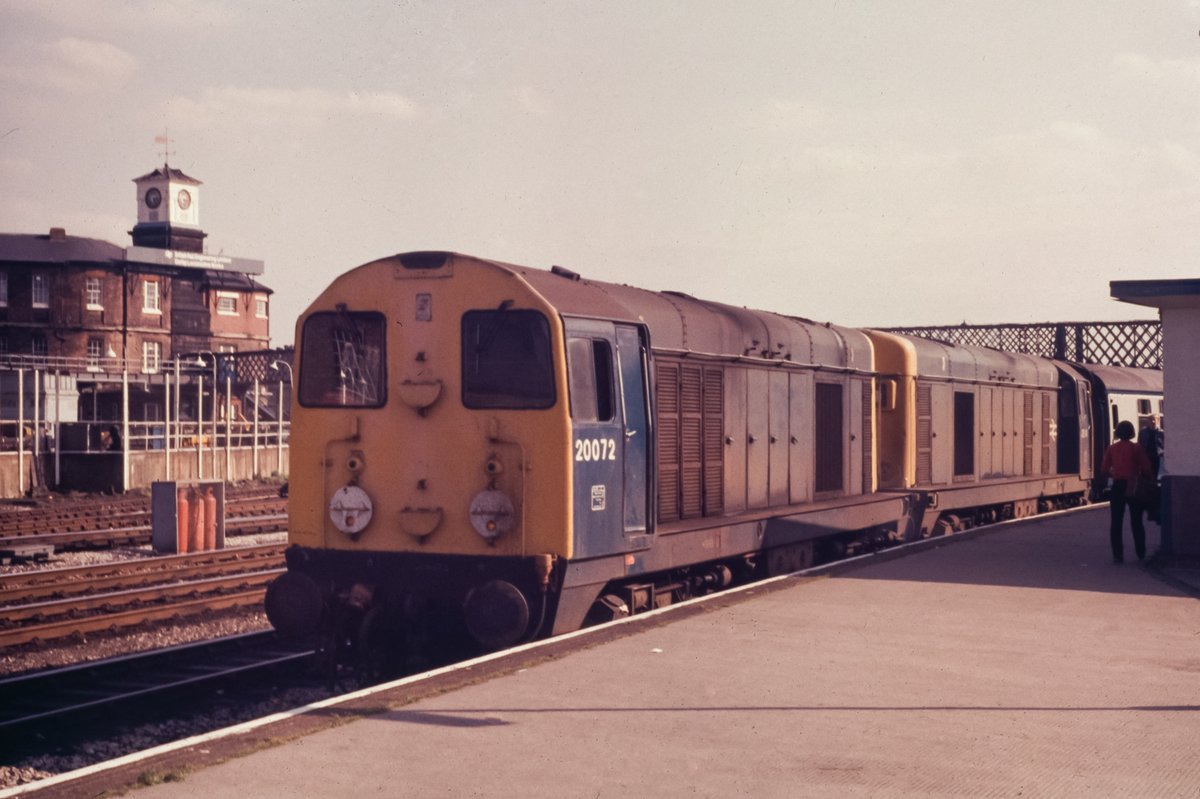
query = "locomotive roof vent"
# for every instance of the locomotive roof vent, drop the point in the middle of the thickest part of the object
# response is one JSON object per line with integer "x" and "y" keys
{"x": 562, "y": 271}
{"x": 424, "y": 260}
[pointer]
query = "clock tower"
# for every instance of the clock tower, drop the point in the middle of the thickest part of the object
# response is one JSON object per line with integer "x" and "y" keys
{"x": 168, "y": 211}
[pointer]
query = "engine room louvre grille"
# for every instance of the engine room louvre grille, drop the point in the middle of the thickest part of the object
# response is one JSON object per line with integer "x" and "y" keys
{"x": 868, "y": 437}
{"x": 714, "y": 441}
{"x": 692, "y": 482}
{"x": 1027, "y": 433}
{"x": 1045, "y": 434}
{"x": 691, "y": 407}
{"x": 924, "y": 435}
{"x": 666, "y": 390}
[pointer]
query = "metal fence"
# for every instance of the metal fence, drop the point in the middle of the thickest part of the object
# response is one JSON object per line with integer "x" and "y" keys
{"x": 192, "y": 407}
{"x": 1137, "y": 343}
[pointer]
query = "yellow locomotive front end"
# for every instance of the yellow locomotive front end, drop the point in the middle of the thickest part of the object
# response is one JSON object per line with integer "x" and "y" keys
{"x": 431, "y": 389}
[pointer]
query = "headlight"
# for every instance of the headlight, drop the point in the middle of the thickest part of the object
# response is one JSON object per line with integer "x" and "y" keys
{"x": 491, "y": 514}
{"x": 350, "y": 510}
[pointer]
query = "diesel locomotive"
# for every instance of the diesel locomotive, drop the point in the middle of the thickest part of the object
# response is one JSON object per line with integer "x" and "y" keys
{"x": 513, "y": 452}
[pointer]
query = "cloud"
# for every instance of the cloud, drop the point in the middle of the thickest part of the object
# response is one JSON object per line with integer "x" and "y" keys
{"x": 531, "y": 100}
{"x": 309, "y": 106}
{"x": 127, "y": 15}
{"x": 1171, "y": 72}
{"x": 72, "y": 65}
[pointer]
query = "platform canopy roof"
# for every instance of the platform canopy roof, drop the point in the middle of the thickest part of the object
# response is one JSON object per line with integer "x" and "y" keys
{"x": 1180, "y": 293}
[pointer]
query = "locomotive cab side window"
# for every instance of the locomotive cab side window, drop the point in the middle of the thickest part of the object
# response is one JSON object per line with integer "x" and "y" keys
{"x": 342, "y": 360}
{"x": 506, "y": 360}
{"x": 591, "y": 373}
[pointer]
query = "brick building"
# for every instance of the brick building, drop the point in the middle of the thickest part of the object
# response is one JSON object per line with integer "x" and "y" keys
{"x": 95, "y": 304}
{"x": 92, "y": 331}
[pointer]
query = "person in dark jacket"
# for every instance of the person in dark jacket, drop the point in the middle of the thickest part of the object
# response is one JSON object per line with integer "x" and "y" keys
{"x": 1150, "y": 440}
{"x": 1124, "y": 461}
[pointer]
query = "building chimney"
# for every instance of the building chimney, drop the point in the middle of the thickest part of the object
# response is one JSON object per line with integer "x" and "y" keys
{"x": 58, "y": 234}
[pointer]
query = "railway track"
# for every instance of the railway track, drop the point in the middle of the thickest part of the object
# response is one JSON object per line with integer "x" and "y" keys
{"x": 96, "y": 524}
{"x": 138, "y": 534}
{"x": 57, "y": 603}
{"x": 69, "y": 704}
{"x": 118, "y": 515}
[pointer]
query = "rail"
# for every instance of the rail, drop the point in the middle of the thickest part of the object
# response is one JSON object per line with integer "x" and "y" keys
{"x": 130, "y": 682}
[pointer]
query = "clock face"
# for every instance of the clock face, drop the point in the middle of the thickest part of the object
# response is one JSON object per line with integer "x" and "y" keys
{"x": 153, "y": 198}
{"x": 184, "y": 199}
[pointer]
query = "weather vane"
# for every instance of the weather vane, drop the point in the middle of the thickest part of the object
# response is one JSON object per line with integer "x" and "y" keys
{"x": 165, "y": 141}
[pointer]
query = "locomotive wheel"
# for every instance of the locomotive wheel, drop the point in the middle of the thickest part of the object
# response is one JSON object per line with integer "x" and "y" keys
{"x": 946, "y": 524}
{"x": 609, "y": 607}
{"x": 378, "y": 646}
{"x": 497, "y": 614}
{"x": 789, "y": 559}
{"x": 294, "y": 605}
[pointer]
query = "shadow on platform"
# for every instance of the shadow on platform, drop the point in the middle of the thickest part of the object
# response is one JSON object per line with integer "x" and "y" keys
{"x": 1069, "y": 552}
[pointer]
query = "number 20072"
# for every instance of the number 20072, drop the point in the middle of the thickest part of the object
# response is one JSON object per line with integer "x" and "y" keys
{"x": 595, "y": 449}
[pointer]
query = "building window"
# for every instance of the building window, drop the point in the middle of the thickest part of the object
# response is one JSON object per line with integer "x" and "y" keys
{"x": 223, "y": 348}
{"x": 227, "y": 304}
{"x": 41, "y": 292}
{"x": 151, "y": 354}
{"x": 39, "y": 347}
{"x": 260, "y": 307}
{"x": 150, "y": 303}
{"x": 95, "y": 352}
{"x": 93, "y": 294}
{"x": 3, "y": 289}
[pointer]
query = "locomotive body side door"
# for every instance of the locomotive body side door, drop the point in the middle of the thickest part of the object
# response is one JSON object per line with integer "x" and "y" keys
{"x": 606, "y": 367}
{"x": 633, "y": 359}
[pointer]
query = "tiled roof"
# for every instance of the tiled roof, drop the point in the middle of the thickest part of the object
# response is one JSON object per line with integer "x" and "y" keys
{"x": 43, "y": 248}
{"x": 170, "y": 173}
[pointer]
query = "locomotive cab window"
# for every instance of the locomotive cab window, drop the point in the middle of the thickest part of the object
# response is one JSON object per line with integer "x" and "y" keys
{"x": 506, "y": 360}
{"x": 591, "y": 373}
{"x": 342, "y": 360}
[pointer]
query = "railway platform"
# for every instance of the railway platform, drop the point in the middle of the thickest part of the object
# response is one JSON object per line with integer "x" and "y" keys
{"x": 1016, "y": 661}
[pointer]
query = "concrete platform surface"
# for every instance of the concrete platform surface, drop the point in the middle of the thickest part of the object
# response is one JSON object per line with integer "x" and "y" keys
{"x": 1017, "y": 663}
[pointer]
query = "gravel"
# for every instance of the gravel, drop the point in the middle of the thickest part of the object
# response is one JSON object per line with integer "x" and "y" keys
{"x": 145, "y": 736}
{"x": 96, "y": 646}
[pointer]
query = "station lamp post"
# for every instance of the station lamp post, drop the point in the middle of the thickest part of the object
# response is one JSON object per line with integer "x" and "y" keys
{"x": 279, "y": 413}
{"x": 200, "y": 409}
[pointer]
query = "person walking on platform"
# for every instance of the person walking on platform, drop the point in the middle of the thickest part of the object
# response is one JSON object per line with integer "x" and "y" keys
{"x": 1124, "y": 461}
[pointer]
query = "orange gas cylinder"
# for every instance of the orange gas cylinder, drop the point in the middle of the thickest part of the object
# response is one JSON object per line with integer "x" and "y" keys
{"x": 196, "y": 533}
{"x": 182, "y": 521}
{"x": 210, "y": 520}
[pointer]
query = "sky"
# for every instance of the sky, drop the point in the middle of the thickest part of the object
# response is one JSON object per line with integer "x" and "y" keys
{"x": 863, "y": 163}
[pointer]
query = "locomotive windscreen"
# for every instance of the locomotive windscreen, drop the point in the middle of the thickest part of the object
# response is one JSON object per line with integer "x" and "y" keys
{"x": 506, "y": 360}
{"x": 342, "y": 360}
